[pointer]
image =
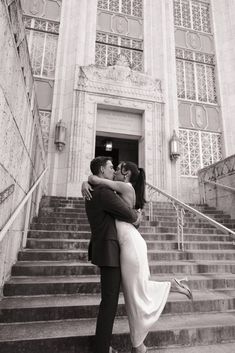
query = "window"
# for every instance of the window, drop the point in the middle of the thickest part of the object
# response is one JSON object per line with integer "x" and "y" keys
{"x": 42, "y": 39}
{"x": 195, "y": 76}
{"x": 198, "y": 149}
{"x": 192, "y": 14}
{"x": 127, "y": 7}
{"x": 109, "y": 46}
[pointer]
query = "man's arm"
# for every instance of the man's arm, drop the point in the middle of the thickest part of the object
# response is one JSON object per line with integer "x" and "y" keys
{"x": 114, "y": 205}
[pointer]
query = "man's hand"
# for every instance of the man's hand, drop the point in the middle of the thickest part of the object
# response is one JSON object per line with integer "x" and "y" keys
{"x": 86, "y": 190}
{"x": 139, "y": 219}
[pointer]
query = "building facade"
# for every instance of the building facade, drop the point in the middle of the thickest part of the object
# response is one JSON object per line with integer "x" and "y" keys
{"x": 123, "y": 75}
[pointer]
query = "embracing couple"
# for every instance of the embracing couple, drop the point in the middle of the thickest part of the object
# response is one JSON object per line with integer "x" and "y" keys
{"x": 114, "y": 200}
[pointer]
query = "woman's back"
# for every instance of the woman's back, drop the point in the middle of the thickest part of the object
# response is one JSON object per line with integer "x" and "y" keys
{"x": 128, "y": 195}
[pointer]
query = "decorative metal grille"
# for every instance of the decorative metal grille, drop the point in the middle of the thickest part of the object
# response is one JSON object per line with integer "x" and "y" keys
{"x": 195, "y": 76}
{"x": 192, "y": 14}
{"x": 109, "y": 46}
{"x": 128, "y": 7}
{"x": 42, "y": 38}
{"x": 198, "y": 149}
{"x": 45, "y": 120}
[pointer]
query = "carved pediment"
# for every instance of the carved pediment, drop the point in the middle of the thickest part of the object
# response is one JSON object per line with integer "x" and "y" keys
{"x": 118, "y": 80}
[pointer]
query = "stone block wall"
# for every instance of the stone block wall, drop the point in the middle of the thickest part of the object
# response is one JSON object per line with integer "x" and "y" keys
{"x": 22, "y": 156}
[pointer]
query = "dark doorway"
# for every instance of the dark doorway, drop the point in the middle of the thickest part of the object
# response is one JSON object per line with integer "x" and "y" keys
{"x": 122, "y": 149}
{"x": 100, "y": 151}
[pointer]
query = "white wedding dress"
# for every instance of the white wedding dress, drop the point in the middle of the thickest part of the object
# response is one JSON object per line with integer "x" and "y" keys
{"x": 144, "y": 299}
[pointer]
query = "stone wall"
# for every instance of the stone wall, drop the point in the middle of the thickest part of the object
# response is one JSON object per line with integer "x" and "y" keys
{"x": 22, "y": 156}
{"x": 221, "y": 173}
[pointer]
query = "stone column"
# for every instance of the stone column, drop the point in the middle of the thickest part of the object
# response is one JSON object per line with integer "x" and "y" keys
{"x": 159, "y": 49}
{"x": 76, "y": 47}
{"x": 223, "y": 13}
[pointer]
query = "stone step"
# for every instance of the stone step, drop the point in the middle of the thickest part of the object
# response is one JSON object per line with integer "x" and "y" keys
{"x": 65, "y": 268}
{"x": 77, "y": 227}
{"x": 159, "y": 221}
{"x": 53, "y": 234}
{"x": 70, "y": 212}
{"x": 210, "y": 348}
{"x": 82, "y": 255}
{"x": 142, "y": 229}
{"x": 82, "y": 219}
{"x": 68, "y": 220}
{"x": 61, "y": 307}
{"x": 51, "y": 210}
{"x": 71, "y": 215}
{"x": 156, "y": 244}
{"x": 65, "y": 336}
{"x": 45, "y": 285}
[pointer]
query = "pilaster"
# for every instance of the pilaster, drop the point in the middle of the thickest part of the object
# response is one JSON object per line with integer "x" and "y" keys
{"x": 76, "y": 47}
{"x": 159, "y": 51}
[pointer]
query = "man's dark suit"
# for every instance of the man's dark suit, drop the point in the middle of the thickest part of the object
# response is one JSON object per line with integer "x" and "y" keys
{"x": 102, "y": 210}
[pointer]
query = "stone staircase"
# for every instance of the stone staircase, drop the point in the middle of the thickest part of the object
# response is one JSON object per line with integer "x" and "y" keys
{"x": 51, "y": 301}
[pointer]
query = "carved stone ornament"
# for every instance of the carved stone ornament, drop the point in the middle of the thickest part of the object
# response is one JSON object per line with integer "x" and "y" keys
{"x": 200, "y": 116}
{"x": 118, "y": 80}
{"x": 36, "y": 6}
{"x": 194, "y": 40}
{"x": 120, "y": 25}
{"x": 122, "y": 61}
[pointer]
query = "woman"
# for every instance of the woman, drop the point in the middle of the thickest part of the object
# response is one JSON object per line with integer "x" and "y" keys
{"x": 144, "y": 299}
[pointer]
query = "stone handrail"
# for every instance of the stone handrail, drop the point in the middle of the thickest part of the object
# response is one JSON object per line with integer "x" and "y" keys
{"x": 222, "y": 176}
{"x": 220, "y": 185}
{"x": 20, "y": 206}
{"x": 217, "y": 170}
{"x": 180, "y": 208}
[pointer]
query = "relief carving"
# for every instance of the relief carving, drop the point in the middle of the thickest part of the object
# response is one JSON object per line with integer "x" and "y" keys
{"x": 119, "y": 80}
{"x": 36, "y": 6}
{"x": 194, "y": 40}
{"x": 200, "y": 116}
{"x": 120, "y": 25}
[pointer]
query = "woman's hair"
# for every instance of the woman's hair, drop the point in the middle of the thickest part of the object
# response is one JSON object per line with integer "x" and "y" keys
{"x": 137, "y": 180}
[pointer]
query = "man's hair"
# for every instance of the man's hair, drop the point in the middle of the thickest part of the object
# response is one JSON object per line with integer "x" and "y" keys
{"x": 97, "y": 163}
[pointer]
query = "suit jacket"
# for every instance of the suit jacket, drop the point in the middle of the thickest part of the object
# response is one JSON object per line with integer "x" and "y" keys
{"x": 102, "y": 210}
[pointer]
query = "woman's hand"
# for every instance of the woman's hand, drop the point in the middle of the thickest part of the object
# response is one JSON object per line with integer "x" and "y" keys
{"x": 86, "y": 190}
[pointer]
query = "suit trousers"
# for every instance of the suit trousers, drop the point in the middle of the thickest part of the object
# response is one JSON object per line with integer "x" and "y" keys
{"x": 110, "y": 278}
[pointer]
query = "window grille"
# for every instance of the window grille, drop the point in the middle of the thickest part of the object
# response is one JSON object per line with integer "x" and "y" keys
{"x": 127, "y": 7}
{"x": 192, "y": 14}
{"x": 45, "y": 120}
{"x": 198, "y": 149}
{"x": 195, "y": 76}
{"x": 109, "y": 46}
{"x": 42, "y": 36}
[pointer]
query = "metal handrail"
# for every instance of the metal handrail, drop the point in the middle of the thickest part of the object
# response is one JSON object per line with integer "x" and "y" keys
{"x": 20, "y": 206}
{"x": 220, "y": 185}
{"x": 180, "y": 208}
{"x": 6, "y": 193}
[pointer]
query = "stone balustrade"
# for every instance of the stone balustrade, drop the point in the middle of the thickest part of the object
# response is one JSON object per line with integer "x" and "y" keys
{"x": 211, "y": 182}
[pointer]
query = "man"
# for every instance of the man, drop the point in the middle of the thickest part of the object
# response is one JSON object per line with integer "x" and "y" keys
{"x": 102, "y": 209}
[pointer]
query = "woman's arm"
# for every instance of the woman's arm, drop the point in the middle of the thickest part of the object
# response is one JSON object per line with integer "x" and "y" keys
{"x": 119, "y": 186}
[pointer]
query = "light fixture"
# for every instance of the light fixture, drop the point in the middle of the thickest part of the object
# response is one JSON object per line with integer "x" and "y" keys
{"x": 174, "y": 146}
{"x": 108, "y": 145}
{"x": 60, "y": 135}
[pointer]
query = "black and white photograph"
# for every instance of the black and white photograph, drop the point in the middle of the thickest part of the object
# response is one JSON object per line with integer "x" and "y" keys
{"x": 117, "y": 176}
